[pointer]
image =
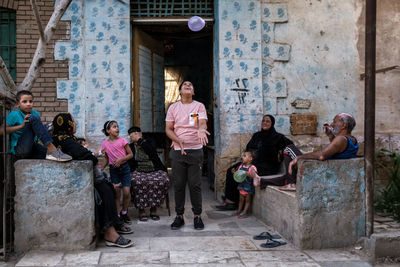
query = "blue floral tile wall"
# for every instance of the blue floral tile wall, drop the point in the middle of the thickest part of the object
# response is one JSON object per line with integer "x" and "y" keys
{"x": 98, "y": 88}
{"x": 240, "y": 68}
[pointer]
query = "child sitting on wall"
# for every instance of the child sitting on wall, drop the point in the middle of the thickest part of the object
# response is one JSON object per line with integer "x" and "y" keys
{"x": 25, "y": 127}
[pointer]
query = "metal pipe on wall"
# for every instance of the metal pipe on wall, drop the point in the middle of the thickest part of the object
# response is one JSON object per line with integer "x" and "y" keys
{"x": 369, "y": 111}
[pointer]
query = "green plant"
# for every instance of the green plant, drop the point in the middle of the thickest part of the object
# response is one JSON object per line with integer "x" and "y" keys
{"x": 388, "y": 199}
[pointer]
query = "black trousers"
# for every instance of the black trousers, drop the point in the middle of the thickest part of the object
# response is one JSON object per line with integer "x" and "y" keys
{"x": 290, "y": 152}
{"x": 186, "y": 169}
{"x": 106, "y": 212}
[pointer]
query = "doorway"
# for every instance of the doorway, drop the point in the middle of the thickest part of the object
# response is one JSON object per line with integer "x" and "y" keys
{"x": 164, "y": 55}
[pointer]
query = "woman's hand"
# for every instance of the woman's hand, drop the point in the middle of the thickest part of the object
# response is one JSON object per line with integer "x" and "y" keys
{"x": 183, "y": 152}
{"x": 202, "y": 134}
{"x": 292, "y": 164}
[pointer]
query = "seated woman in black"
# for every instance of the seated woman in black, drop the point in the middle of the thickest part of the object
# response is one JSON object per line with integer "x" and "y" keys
{"x": 267, "y": 143}
{"x": 107, "y": 219}
{"x": 149, "y": 176}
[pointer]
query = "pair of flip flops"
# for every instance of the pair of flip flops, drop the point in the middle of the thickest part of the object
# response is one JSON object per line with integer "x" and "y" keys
{"x": 271, "y": 242}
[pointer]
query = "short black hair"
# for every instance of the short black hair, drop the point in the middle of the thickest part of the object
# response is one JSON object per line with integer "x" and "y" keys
{"x": 80, "y": 140}
{"x": 134, "y": 129}
{"x": 21, "y": 93}
{"x": 252, "y": 152}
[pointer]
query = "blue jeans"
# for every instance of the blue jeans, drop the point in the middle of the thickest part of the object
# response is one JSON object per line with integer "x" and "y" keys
{"x": 122, "y": 175}
{"x": 26, "y": 147}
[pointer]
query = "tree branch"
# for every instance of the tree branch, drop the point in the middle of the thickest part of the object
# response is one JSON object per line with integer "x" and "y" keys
{"x": 40, "y": 54}
{"x": 7, "y": 79}
{"x": 37, "y": 17}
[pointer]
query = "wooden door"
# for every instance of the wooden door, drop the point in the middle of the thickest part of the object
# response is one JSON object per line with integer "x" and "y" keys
{"x": 148, "y": 83}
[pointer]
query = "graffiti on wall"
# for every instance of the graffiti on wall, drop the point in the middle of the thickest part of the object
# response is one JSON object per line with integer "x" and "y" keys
{"x": 248, "y": 52}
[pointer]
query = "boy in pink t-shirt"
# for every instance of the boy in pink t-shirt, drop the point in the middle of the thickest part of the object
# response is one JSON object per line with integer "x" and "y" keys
{"x": 118, "y": 152}
{"x": 186, "y": 126}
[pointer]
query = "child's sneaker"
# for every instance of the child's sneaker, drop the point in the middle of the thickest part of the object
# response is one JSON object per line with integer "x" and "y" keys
{"x": 58, "y": 155}
{"x": 125, "y": 218}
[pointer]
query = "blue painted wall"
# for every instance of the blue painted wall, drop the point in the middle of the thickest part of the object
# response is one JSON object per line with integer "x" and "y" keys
{"x": 99, "y": 56}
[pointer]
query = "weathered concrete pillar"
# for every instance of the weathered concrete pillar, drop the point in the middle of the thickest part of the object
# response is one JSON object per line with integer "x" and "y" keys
{"x": 54, "y": 205}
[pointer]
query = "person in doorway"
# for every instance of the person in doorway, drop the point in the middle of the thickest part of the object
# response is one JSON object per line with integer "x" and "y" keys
{"x": 342, "y": 144}
{"x": 26, "y": 128}
{"x": 186, "y": 126}
{"x": 117, "y": 152}
{"x": 106, "y": 219}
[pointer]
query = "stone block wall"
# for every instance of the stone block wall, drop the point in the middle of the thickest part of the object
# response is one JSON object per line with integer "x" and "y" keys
{"x": 54, "y": 205}
{"x": 331, "y": 202}
{"x": 44, "y": 89}
{"x": 326, "y": 211}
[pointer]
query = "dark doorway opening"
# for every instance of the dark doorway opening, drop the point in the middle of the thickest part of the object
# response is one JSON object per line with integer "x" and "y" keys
{"x": 185, "y": 55}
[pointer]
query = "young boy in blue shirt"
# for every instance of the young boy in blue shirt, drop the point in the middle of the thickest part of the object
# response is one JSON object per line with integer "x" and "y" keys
{"x": 25, "y": 127}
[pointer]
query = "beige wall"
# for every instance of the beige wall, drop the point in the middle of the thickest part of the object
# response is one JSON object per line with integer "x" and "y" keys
{"x": 387, "y": 84}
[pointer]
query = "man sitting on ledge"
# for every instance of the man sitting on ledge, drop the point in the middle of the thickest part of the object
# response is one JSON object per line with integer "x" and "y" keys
{"x": 342, "y": 144}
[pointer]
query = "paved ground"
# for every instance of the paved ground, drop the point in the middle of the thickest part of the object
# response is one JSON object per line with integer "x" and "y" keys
{"x": 225, "y": 241}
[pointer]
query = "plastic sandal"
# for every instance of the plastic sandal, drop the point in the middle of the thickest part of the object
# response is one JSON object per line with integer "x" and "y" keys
{"x": 236, "y": 213}
{"x": 242, "y": 216}
{"x": 272, "y": 243}
{"x": 154, "y": 217}
{"x": 266, "y": 235}
{"x": 143, "y": 218}
{"x": 120, "y": 242}
{"x": 124, "y": 230}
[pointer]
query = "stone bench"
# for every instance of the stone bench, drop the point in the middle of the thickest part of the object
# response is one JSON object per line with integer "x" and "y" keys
{"x": 326, "y": 211}
{"x": 54, "y": 205}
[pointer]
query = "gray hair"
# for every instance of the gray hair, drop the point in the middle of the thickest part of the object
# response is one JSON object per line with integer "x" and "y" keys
{"x": 349, "y": 120}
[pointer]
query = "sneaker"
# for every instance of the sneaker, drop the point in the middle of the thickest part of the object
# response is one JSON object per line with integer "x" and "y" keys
{"x": 120, "y": 242}
{"x": 125, "y": 218}
{"x": 58, "y": 155}
{"x": 178, "y": 223}
{"x": 198, "y": 223}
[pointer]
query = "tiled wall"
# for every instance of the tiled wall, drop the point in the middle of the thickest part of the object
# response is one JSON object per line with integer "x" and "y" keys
{"x": 246, "y": 52}
{"x": 98, "y": 88}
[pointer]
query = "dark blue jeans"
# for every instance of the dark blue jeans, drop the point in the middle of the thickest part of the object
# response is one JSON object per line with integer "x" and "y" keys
{"x": 26, "y": 147}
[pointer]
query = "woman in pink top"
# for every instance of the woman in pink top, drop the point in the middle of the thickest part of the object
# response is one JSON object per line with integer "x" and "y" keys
{"x": 186, "y": 125}
{"x": 118, "y": 152}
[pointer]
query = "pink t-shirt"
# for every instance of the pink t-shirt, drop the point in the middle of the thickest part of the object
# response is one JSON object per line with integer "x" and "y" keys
{"x": 186, "y": 123}
{"x": 114, "y": 150}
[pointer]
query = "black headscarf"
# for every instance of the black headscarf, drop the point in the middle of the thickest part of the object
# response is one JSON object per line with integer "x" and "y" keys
{"x": 63, "y": 127}
{"x": 63, "y": 138}
{"x": 267, "y": 144}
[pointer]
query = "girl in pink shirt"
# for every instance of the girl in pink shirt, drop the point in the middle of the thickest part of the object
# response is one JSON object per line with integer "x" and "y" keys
{"x": 118, "y": 152}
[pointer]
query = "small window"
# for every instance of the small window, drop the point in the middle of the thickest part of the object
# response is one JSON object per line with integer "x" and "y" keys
{"x": 168, "y": 8}
{"x": 8, "y": 40}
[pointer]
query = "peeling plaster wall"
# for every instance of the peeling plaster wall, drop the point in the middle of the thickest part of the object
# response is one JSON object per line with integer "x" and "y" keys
{"x": 98, "y": 88}
{"x": 270, "y": 53}
{"x": 388, "y": 83}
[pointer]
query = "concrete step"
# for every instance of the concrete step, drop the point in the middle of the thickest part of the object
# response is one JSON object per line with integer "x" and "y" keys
{"x": 384, "y": 244}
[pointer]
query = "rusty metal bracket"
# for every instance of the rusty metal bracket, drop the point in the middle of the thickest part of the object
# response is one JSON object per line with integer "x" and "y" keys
{"x": 362, "y": 75}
